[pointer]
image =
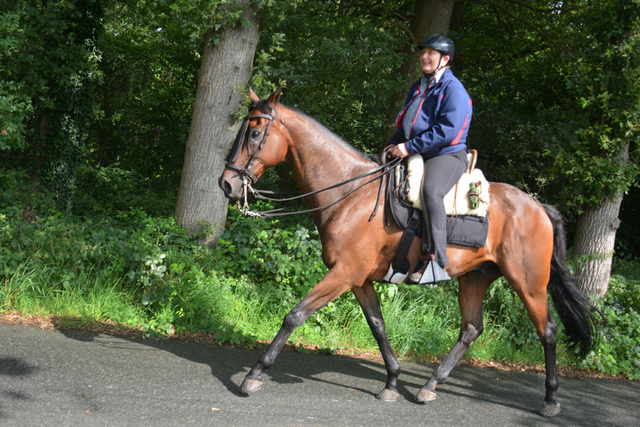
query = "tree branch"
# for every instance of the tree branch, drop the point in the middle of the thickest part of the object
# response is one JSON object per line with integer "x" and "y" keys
{"x": 406, "y": 30}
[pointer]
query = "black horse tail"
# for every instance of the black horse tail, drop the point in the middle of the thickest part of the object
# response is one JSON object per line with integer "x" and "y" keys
{"x": 575, "y": 310}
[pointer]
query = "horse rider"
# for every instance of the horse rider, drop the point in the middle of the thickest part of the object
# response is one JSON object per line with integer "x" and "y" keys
{"x": 435, "y": 123}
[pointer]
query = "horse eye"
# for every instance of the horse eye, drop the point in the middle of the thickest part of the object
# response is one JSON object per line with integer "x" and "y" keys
{"x": 255, "y": 134}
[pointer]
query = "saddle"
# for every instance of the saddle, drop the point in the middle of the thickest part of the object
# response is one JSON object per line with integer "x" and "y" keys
{"x": 466, "y": 206}
{"x": 470, "y": 196}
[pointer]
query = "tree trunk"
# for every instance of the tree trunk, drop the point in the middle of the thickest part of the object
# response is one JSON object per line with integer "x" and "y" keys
{"x": 225, "y": 68}
{"x": 595, "y": 240}
{"x": 431, "y": 16}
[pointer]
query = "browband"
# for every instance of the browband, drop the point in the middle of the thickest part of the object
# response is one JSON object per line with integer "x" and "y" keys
{"x": 237, "y": 144}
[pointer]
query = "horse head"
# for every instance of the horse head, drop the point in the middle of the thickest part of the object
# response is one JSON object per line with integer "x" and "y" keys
{"x": 259, "y": 145}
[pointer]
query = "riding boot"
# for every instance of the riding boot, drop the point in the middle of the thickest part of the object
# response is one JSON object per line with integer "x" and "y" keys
{"x": 415, "y": 277}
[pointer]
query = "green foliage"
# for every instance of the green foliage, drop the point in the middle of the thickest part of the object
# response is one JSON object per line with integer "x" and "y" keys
{"x": 287, "y": 260}
{"x": 15, "y": 108}
{"x": 121, "y": 193}
{"x": 86, "y": 298}
{"x": 145, "y": 102}
{"x": 15, "y": 105}
{"x": 601, "y": 75}
{"x": 156, "y": 262}
{"x": 619, "y": 350}
{"x": 54, "y": 56}
{"x": 195, "y": 19}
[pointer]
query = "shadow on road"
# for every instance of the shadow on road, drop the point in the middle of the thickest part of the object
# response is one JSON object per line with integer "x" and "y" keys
{"x": 110, "y": 377}
{"x": 290, "y": 368}
{"x": 487, "y": 387}
{"x": 14, "y": 367}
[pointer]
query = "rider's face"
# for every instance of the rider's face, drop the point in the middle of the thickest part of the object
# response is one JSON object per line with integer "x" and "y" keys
{"x": 431, "y": 60}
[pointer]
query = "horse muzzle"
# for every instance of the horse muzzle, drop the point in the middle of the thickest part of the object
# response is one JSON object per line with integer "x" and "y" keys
{"x": 231, "y": 187}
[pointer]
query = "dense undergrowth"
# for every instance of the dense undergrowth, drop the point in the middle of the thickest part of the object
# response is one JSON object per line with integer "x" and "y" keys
{"x": 137, "y": 267}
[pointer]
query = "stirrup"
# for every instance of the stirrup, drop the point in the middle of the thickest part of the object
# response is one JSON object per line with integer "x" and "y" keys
{"x": 431, "y": 273}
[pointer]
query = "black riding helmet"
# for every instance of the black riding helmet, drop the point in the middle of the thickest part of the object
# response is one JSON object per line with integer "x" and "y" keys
{"x": 441, "y": 43}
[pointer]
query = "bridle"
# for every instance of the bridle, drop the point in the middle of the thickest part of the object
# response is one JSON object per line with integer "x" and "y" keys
{"x": 248, "y": 177}
{"x": 245, "y": 171}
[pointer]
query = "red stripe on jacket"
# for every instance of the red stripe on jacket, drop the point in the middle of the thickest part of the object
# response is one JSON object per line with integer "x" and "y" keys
{"x": 464, "y": 126}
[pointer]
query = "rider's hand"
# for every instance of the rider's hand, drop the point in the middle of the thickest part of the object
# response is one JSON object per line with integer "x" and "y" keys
{"x": 399, "y": 150}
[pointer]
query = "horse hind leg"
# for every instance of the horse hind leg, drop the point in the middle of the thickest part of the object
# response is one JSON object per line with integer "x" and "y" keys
{"x": 546, "y": 327}
{"x": 473, "y": 286}
{"x": 550, "y": 406}
{"x": 533, "y": 293}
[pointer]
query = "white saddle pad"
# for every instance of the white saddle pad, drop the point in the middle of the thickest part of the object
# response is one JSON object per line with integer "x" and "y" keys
{"x": 456, "y": 202}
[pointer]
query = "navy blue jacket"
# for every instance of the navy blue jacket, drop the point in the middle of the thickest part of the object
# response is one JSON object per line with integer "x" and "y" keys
{"x": 442, "y": 124}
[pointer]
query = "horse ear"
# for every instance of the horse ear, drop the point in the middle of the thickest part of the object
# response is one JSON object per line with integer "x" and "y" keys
{"x": 275, "y": 97}
{"x": 252, "y": 95}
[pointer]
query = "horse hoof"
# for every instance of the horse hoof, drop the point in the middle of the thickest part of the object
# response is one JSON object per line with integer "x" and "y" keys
{"x": 249, "y": 385}
{"x": 387, "y": 395}
{"x": 425, "y": 396}
{"x": 549, "y": 410}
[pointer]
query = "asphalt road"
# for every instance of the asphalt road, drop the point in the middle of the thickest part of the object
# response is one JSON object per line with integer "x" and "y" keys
{"x": 67, "y": 378}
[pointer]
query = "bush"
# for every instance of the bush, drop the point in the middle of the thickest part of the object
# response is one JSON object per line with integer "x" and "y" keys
{"x": 117, "y": 193}
{"x": 619, "y": 349}
{"x": 286, "y": 260}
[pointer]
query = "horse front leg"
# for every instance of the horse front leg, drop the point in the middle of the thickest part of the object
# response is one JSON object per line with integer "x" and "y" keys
{"x": 328, "y": 289}
{"x": 368, "y": 299}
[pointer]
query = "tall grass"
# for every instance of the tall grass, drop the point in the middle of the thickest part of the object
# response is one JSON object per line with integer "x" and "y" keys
{"x": 36, "y": 290}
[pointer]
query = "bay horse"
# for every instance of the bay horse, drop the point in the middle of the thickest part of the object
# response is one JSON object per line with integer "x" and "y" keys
{"x": 525, "y": 244}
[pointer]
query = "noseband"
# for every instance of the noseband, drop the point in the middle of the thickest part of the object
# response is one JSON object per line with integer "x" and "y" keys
{"x": 245, "y": 171}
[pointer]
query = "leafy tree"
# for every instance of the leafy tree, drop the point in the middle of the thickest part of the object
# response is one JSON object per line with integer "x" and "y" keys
{"x": 146, "y": 99}
{"x": 601, "y": 76}
{"x": 52, "y": 54}
{"x": 336, "y": 62}
{"x": 15, "y": 105}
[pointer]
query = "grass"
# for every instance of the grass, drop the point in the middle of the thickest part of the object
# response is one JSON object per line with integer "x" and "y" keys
{"x": 34, "y": 291}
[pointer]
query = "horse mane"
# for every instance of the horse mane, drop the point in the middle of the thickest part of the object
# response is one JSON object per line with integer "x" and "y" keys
{"x": 264, "y": 108}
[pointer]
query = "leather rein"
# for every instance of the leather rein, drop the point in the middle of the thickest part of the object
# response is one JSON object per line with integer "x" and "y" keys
{"x": 248, "y": 177}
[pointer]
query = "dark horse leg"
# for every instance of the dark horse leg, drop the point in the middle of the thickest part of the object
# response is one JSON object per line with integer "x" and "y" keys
{"x": 473, "y": 286}
{"x": 368, "y": 299}
{"x": 550, "y": 406}
{"x": 328, "y": 289}
{"x": 531, "y": 286}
